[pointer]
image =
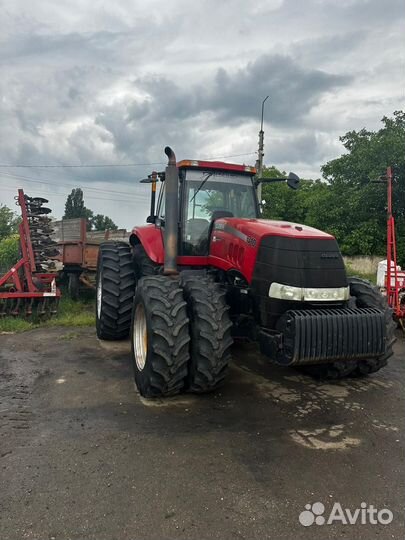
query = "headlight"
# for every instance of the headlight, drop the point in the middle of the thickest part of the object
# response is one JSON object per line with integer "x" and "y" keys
{"x": 299, "y": 294}
{"x": 285, "y": 292}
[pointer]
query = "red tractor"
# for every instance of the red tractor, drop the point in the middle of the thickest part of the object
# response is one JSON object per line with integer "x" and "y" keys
{"x": 207, "y": 270}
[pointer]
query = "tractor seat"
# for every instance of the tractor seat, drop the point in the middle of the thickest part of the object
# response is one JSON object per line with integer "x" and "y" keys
{"x": 196, "y": 228}
{"x": 217, "y": 214}
{"x": 205, "y": 241}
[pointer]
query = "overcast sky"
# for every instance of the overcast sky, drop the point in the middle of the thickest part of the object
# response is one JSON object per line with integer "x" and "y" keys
{"x": 95, "y": 82}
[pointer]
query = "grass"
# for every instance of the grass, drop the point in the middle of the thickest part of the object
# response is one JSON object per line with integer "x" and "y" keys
{"x": 70, "y": 313}
{"x": 15, "y": 324}
{"x": 81, "y": 314}
{"x": 370, "y": 277}
{"x": 73, "y": 313}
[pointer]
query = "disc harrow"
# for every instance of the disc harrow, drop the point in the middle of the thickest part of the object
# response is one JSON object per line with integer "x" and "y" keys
{"x": 29, "y": 287}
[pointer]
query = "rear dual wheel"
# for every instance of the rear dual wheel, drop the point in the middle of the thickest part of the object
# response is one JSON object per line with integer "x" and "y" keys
{"x": 210, "y": 329}
{"x": 180, "y": 331}
{"x": 181, "y": 336}
{"x": 160, "y": 337}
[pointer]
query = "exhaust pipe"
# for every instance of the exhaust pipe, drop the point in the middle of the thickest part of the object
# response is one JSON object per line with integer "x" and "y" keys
{"x": 171, "y": 214}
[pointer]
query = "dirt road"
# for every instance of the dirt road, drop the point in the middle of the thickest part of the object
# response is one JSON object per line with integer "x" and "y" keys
{"x": 82, "y": 456}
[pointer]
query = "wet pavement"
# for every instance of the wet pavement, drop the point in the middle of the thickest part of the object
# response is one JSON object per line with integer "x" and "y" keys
{"x": 83, "y": 456}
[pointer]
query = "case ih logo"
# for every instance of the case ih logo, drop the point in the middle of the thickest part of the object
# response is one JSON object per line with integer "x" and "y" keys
{"x": 251, "y": 241}
{"x": 329, "y": 256}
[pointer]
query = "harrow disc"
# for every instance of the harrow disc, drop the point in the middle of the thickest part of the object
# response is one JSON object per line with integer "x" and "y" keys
{"x": 27, "y": 290}
{"x": 39, "y": 200}
{"x": 35, "y": 309}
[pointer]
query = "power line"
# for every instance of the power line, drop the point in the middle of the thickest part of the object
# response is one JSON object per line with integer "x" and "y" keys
{"x": 128, "y": 201}
{"x": 87, "y": 188}
{"x": 109, "y": 165}
{"x": 55, "y": 184}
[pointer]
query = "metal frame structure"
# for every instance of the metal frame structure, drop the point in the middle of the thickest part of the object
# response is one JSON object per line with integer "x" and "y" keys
{"x": 395, "y": 280}
{"x": 22, "y": 284}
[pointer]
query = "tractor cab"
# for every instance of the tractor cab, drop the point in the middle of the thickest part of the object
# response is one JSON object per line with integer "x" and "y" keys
{"x": 209, "y": 191}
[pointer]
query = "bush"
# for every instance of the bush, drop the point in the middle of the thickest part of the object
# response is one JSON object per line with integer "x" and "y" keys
{"x": 9, "y": 252}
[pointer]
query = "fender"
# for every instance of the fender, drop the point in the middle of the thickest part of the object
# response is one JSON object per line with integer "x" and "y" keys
{"x": 151, "y": 239}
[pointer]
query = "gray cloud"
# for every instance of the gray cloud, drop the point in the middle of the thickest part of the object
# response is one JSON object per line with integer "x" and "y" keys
{"x": 228, "y": 98}
{"x": 81, "y": 84}
{"x": 234, "y": 96}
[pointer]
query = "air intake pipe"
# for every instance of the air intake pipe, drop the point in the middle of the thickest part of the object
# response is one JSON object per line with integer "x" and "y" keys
{"x": 171, "y": 214}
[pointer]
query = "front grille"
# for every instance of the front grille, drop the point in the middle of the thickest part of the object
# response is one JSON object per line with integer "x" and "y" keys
{"x": 314, "y": 336}
{"x": 299, "y": 262}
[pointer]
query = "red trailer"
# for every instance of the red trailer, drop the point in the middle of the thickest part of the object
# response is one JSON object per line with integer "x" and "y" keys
{"x": 78, "y": 250}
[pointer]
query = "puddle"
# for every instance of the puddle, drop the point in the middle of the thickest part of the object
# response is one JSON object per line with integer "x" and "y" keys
{"x": 333, "y": 438}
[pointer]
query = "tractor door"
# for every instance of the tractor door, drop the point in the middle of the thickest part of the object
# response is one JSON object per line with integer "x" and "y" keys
{"x": 160, "y": 208}
{"x": 197, "y": 218}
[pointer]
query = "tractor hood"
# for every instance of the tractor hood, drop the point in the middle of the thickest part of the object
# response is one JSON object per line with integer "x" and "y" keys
{"x": 276, "y": 251}
{"x": 253, "y": 230}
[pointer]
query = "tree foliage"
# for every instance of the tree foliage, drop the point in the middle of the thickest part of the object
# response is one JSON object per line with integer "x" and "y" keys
{"x": 102, "y": 223}
{"x": 9, "y": 253}
{"x": 75, "y": 208}
{"x": 9, "y": 221}
{"x": 347, "y": 204}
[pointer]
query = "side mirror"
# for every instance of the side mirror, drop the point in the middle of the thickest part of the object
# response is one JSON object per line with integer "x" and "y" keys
{"x": 151, "y": 219}
{"x": 293, "y": 181}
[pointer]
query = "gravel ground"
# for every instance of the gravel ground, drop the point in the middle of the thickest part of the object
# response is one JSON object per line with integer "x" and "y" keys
{"x": 82, "y": 456}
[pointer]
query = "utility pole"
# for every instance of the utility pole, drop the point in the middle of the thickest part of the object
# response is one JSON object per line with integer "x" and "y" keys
{"x": 260, "y": 154}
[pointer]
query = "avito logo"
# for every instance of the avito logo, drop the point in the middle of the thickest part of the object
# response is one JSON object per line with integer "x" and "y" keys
{"x": 366, "y": 514}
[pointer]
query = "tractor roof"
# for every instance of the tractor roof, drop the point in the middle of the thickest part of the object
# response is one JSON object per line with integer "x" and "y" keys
{"x": 216, "y": 165}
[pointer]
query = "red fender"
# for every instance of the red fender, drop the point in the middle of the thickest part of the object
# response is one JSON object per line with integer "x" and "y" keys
{"x": 151, "y": 239}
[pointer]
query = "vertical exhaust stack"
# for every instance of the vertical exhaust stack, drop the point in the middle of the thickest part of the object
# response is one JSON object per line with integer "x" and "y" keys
{"x": 171, "y": 214}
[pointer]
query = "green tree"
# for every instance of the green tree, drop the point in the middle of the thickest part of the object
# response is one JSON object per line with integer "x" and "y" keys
{"x": 75, "y": 208}
{"x": 368, "y": 155}
{"x": 101, "y": 223}
{"x": 9, "y": 221}
{"x": 347, "y": 204}
{"x": 283, "y": 203}
{"x": 9, "y": 253}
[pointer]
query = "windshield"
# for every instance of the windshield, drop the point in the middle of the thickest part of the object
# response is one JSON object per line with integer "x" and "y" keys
{"x": 207, "y": 192}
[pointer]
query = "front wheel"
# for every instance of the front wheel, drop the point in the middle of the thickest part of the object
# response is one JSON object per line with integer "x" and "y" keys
{"x": 159, "y": 337}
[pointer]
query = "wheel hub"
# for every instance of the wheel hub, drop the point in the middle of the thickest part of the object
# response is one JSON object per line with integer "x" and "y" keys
{"x": 140, "y": 337}
{"x": 99, "y": 294}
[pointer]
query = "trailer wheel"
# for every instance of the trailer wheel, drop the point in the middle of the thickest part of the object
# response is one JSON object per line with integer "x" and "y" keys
{"x": 74, "y": 285}
{"x": 143, "y": 265}
{"x": 364, "y": 294}
{"x": 115, "y": 286}
{"x": 210, "y": 328}
{"x": 160, "y": 337}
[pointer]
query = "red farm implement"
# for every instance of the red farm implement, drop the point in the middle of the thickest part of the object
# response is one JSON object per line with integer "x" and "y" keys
{"x": 395, "y": 278}
{"x": 29, "y": 287}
